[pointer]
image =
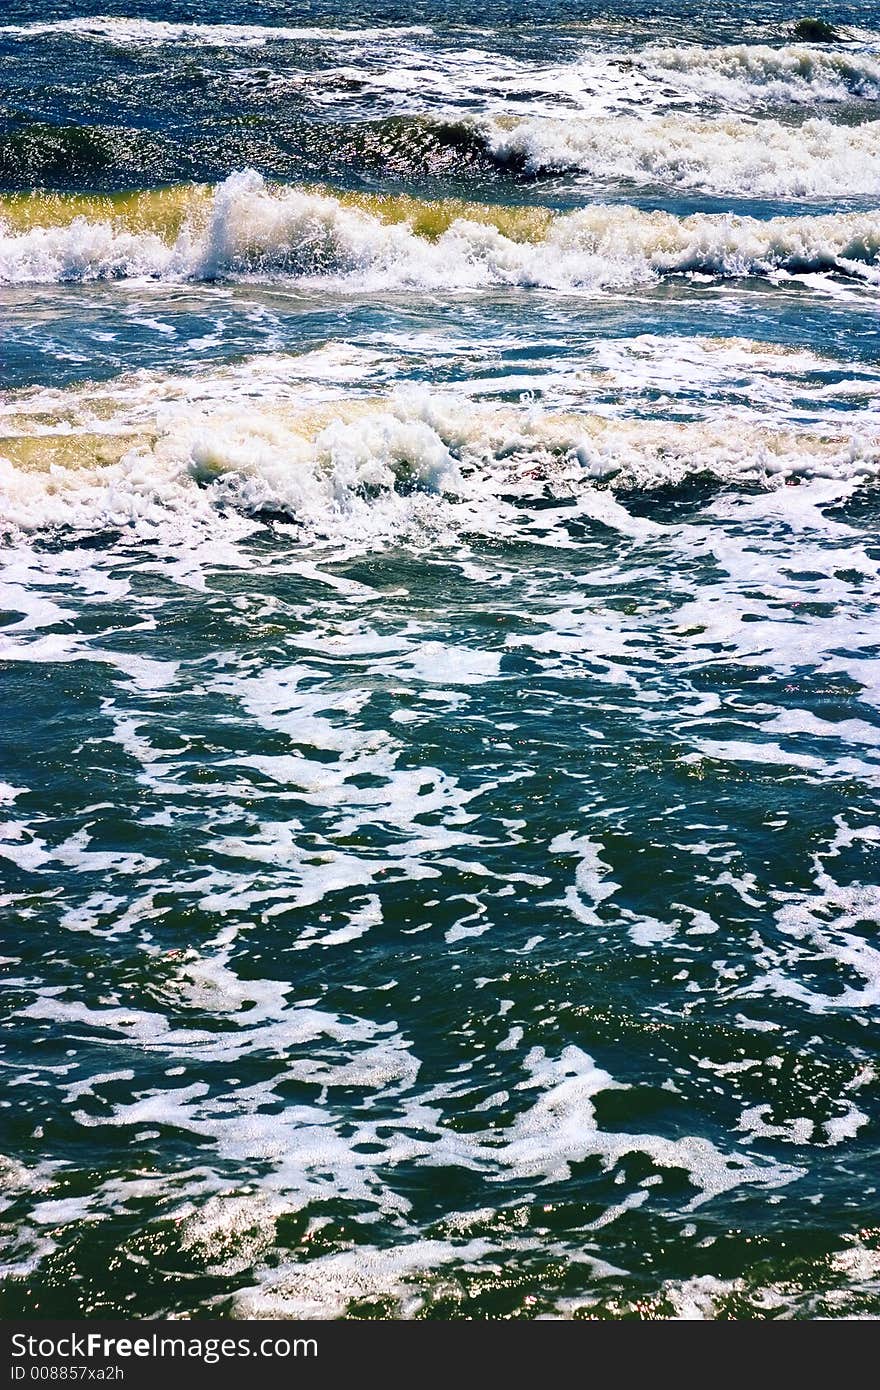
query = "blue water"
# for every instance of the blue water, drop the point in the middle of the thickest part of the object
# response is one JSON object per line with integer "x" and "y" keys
{"x": 441, "y": 688}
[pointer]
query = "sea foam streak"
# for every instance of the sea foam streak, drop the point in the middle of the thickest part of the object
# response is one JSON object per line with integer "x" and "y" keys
{"x": 255, "y": 230}
{"x": 152, "y": 32}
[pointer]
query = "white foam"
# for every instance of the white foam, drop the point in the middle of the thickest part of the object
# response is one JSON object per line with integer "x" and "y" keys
{"x": 392, "y": 64}
{"x": 138, "y": 33}
{"x": 699, "y": 1298}
{"x": 309, "y": 1153}
{"x": 561, "y": 1128}
{"x": 326, "y": 1286}
{"x": 250, "y": 463}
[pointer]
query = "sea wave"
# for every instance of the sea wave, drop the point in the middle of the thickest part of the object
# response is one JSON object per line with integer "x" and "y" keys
{"x": 729, "y": 155}
{"x": 748, "y": 73}
{"x": 420, "y": 68}
{"x": 251, "y": 229}
{"x": 38, "y": 154}
{"x": 150, "y": 453}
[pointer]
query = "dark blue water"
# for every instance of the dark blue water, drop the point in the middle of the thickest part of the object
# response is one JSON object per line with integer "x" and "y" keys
{"x": 439, "y": 657}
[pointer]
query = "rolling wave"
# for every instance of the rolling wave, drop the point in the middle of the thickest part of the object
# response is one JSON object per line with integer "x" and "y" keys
{"x": 722, "y": 156}
{"x": 39, "y": 154}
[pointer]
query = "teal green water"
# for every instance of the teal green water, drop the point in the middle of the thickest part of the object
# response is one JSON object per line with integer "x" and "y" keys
{"x": 439, "y": 651}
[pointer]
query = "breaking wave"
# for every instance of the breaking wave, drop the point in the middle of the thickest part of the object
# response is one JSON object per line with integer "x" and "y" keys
{"x": 251, "y": 229}
{"x": 729, "y": 155}
{"x": 757, "y": 73}
{"x": 165, "y": 453}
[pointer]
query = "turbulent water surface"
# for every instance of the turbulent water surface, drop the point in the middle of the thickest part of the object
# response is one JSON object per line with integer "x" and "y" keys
{"x": 439, "y": 586}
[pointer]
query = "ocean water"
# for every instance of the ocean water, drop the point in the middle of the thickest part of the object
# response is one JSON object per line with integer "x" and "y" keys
{"x": 439, "y": 579}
